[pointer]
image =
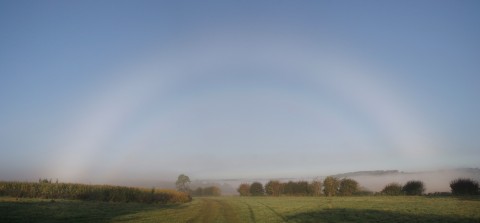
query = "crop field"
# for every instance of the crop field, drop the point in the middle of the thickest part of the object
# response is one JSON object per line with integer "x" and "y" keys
{"x": 249, "y": 209}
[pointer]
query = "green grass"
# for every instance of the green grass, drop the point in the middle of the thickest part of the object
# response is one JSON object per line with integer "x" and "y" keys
{"x": 248, "y": 209}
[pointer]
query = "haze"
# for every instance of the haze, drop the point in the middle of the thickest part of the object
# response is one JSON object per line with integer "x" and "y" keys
{"x": 122, "y": 91}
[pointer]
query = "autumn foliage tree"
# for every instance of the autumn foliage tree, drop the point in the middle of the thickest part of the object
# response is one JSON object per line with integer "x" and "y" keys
{"x": 273, "y": 188}
{"x": 315, "y": 188}
{"x": 244, "y": 189}
{"x": 330, "y": 186}
{"x": 212, "y": 191}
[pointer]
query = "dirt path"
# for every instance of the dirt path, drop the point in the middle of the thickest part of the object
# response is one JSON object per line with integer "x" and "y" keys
{"x": 252, "y": 214}
{"x": 275, "y": 212}
{"x": 213, "y": 210}
{"x": 228, "y": 212}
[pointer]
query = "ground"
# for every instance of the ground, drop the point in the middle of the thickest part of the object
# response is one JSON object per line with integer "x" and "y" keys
{"x": 249, "y": 209}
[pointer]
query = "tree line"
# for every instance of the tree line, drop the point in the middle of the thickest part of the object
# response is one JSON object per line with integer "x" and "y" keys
{"x": 206, "y": 191}
{"x": 332, "y": 186}
{"x": 183, "y": 185}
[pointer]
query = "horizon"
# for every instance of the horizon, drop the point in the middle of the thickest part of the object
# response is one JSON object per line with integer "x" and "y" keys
{"x": 120, "y": 90}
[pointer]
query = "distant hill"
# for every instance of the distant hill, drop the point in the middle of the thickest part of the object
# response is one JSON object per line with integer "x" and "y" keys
{"x": 367, "y": 173}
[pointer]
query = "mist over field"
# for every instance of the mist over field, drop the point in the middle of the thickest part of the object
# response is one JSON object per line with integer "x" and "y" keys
{"x": 138, "y": 92}
{"x": 374, "y": 181}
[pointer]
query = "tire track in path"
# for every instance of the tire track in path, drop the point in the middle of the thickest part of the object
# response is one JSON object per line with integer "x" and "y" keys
{"x": 228, "y": 212}
{"x": 206, "y": 213}
{"x": 250, "y": 210}
{"x": 275, "y": 212}
{"x": 213, "y": 210}
{"x": 252, "y": 215}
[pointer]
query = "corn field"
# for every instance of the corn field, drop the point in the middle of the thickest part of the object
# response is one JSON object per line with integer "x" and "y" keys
{"x": 90, "y": 192}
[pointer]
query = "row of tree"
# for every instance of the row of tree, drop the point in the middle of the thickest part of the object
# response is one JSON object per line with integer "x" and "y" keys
{"x": 410, "y": 188}
{"x": 460, "y": 186}
{"x": 331, "y": 187}
{"x": 206, "y": 191}
{"x": 183, "y": 185}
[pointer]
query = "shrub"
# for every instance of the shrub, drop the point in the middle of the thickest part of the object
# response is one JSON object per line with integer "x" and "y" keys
{"x": 392, "y": 189}
{"x": 256, "y": 189}
{"x": 413, "y": 188}
{"x": 463, "y": 186}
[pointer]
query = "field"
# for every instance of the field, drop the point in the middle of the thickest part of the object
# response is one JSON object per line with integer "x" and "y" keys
{"x": 248, "y": 209}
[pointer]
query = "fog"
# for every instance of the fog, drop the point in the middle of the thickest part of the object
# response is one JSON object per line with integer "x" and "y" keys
{"x": 375, "y": 181}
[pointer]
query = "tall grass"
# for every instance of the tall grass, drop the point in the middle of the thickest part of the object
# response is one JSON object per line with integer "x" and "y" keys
{"x": 91, "y": 192}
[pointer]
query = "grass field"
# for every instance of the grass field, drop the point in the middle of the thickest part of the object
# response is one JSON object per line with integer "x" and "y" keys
{"x": 248, "y": 209}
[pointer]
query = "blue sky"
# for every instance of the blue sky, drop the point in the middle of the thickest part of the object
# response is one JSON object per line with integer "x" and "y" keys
{"x": 103, "y": 91}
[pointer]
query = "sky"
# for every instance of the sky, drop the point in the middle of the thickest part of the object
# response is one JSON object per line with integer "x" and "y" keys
{"x": 117, "y": 91}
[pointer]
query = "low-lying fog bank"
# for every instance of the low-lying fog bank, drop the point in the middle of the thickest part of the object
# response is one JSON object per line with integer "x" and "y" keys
{"x": 435, "y": 181}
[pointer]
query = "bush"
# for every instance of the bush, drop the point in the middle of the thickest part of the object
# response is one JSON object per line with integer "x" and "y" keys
{"x": 256, "y": 189}
{"x": 463, "y": 186}
{"x": 392, "y": 189}
{"x": 413, "y": 188}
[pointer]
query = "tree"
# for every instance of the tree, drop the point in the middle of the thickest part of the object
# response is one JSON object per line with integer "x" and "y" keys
{"x": 301, "y": 188}
{"x": 273, "y": 188}
{"x": 330, "y": 186}
{"x": 348, "y": 187}
{"x": 413, "y": 187}
{"x": 244, "y": 189}
{"x": 463, "y": 186}
{"x": 212, "y": 191}
{"x": 198, "y": 192}
{"x": 315, "y": 188}
{"x": 289, "y": 188}
{"x": 183, "y": 183}
{"x": 256, "y": 189}
{"x": 392, "y": 189}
